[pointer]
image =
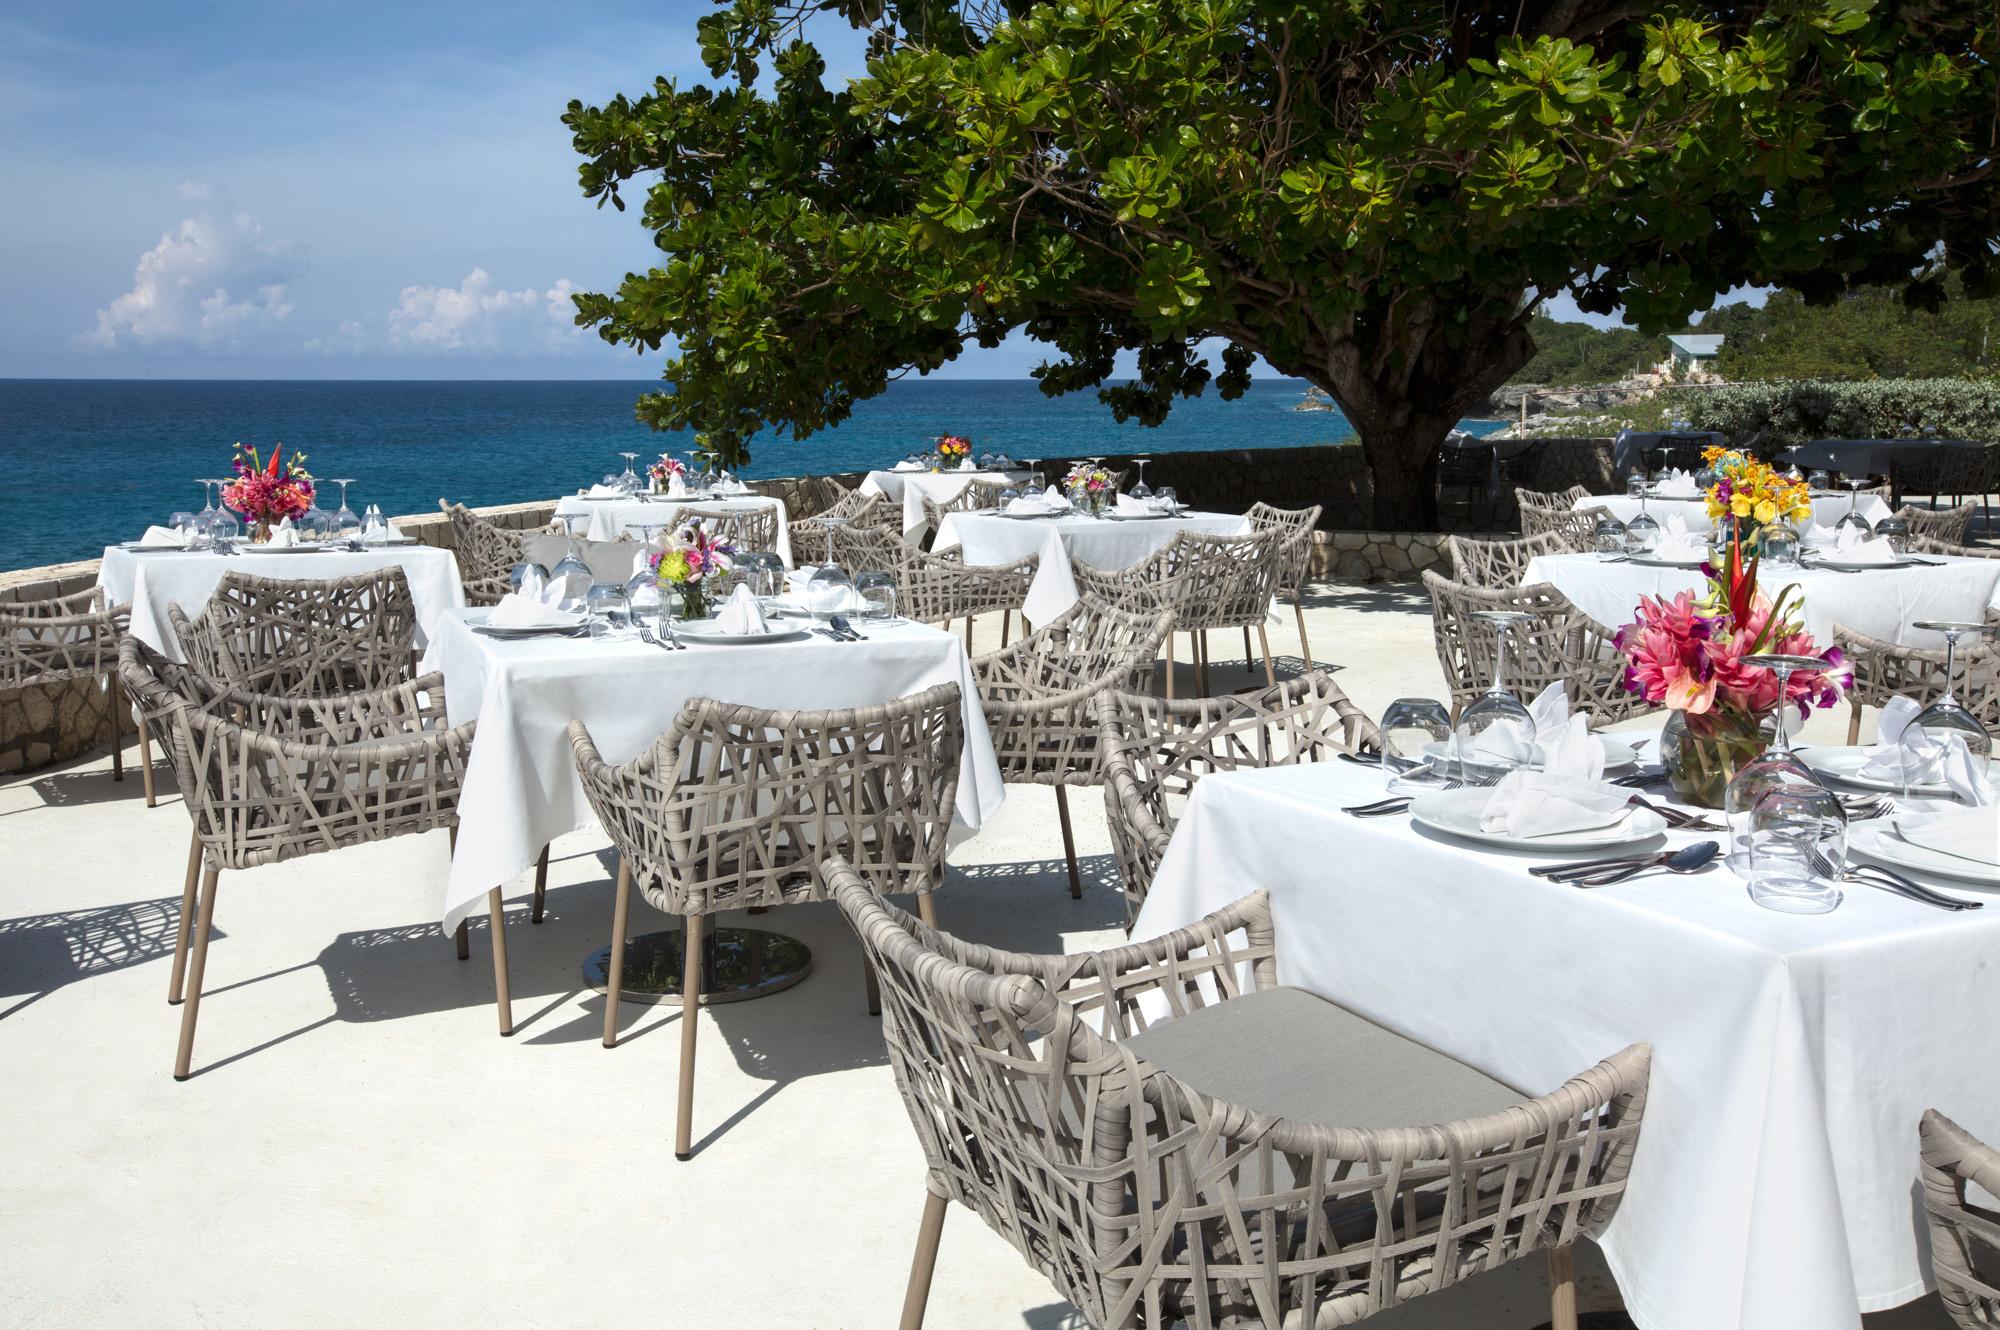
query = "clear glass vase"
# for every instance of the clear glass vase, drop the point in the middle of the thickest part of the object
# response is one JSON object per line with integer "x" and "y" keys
{"x": 693, "y": 600}
{"x": 1702, "y": 754}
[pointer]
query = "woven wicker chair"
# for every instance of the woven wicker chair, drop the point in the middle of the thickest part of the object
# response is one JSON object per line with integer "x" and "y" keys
{"x": 978, "y": 496}
{"x": 751, "y": 531}
{"x": 1038, "y": 696}
{"x": 1551, "y": 498}
{"x": 810, "y": 545}
{"x": 1500, "y": 563}
{"x": 1883, "y": 670}
{"x": 1577, "y": 527}
{"x": 1950, "y": 525}
{"x": 486, "y": 554}
{"x": 1207, "y": 581}
{"x": 1301, "y": 523}
{"x": 1932, "y": 545}
{"x": 269, "y": 779}
{"x": 740, "y": 807}
{"x": 1965, "y": 1236}
{"x": 1098, "y": 1112}
{"x": 303, "y": 637}
{"x": 1560, "y": 642}
{"x": 47, "y": 643}
{"x": 933, "y": 587}
{"x": 1154, "y": 751}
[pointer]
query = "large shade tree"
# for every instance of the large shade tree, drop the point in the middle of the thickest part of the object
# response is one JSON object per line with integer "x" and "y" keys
{"x": 1375, "y": 196}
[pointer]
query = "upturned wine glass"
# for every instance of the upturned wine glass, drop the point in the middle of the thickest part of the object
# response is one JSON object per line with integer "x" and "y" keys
{"x": 1034, "y": 487}
{"x": 1140, "y": 490}
{"x": 1852, "y": 517}
{"x": 345, "y": 521}
{"x": 1947, "y": 715}
{"x": 223, "y": 525}
{"x": 1642, "y": 533}
{"x": 572, "y": 571}
{"x": 1776, "y": 767}
{"x": 829, "y": 592}
{"x": 877, "y": 591}
{"x": 1495, "y": 711}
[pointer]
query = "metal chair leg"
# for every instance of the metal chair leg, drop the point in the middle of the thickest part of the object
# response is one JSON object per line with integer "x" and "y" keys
{"x": 191, "y": 1009}
{"x": 1562, "y": 1288}
{"x": 503, "y": 998}
{"x": 1069, "y": 842}
{"x": 614, "y": 986}
{"x": 541, "y": 886}
{"x": 924, "y": 1264}
{"x": 185, "y": 926}
{"x": 690, "y": 1021}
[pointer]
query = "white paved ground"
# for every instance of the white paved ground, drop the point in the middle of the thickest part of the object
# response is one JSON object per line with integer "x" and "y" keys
{"x": 360, "y": 1149}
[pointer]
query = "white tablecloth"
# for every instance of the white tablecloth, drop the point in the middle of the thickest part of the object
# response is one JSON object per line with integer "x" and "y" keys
{"x": 1108, "y": 543}
{"x": 911, "y": 488}
{"x": 150, "y": 581}
{"x": 609, "y": 517}
{"x": 521, "y": 788}
{"x": 1881, "y": 602}
{"x": 1774, "y": 1184}
{"x": 1826, "y": 511}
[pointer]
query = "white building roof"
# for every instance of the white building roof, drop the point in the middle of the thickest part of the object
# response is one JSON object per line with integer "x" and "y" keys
{"x": 1699, "y": 345}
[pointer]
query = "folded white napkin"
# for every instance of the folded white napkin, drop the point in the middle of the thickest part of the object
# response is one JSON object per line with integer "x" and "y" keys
{"x": 741, "y": 614}
{"x": 1055, "y": 500}
{"x": 1814, "y": 536}
{"x": 968, "y": 465}
{"x": 1677, "y": 542}
{"x": 603, "y": 492}
{"x": 1904, "y": 751}
{"x": 528, "y": 609}
{"x": 1971, "y": 833}
{"x": 1536, "y": 742}
{"x": 1568, "y": 794}
{"x": 284, "y": 535}
{"x": 796, "y": 579}
{"x": 163, "y": 538}
{"x": 1127, "y": 505}
{"x": 1027, "y": 508}
{"x": 907, "y": 466}
{"x": 676, "y": 486}
{"x": 1866, "y": 551}
{"x": 1678, "y": 484}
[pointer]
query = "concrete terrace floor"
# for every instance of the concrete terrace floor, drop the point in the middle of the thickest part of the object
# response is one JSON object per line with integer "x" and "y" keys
{"x": 359, "y": 1148}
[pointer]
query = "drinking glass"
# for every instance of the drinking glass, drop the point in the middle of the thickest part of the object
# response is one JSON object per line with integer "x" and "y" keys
{"x": 829, "y": 592}
{"x": 223, "y": 526}
{"x": 184, "y": 522}
{"x": 1852, "y": 517}
{"x": 1635, "y": 484}
{"x": 345, "y": 523}
{"x": 1034, "y": 487}
{"x": 643, "y": 599}
{"x": 1947, "y": 715}
{"x": 877, "y": 590}
{"x": 1779, "y": 544}
{"x": 1896, "y": 531}
{"x": 317, "y": 523}
{"x": 1610, "y": 533}
{"x": 1168, "y": 500}
{"x": 1409, "y": 727}
{"x": 1775, "y": 768}
{"x": 628, "y": 479}
{"x": 528, "y": 577}
{"x": 1497, "y": 711}
{"x": 1798, "y": 850}
{"x": 608, "y": 609}
{"x": 572, "y": 571}
{"x": 984, "y": 461}
{"x": 1819, "y": 482}
{"x": 1643, "y": 531}
{"x": 763, "y": 572}
{"x": 1139, "y": 489}
{"x": 374, "y": 526}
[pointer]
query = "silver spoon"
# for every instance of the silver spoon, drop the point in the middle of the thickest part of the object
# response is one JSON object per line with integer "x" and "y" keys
{"x": 845, "y": 629}
{"x": 1688, "y": 859}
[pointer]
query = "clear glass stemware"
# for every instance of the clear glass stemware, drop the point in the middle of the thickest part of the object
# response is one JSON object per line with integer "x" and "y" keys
{"x": 1774, "y": 768}
{"x": 345, "y": 522}
{"x": 1140, "y": 490}
{"x": 1947, "y": 716}
{"x": 1642, "y": 533}
{"x": 572, "y": 571}
{"x": 1495, "y": 734}
{"x": 628, "y": 479}
{"x": 1852, "y": 517}
{"x": 223, "y": 526}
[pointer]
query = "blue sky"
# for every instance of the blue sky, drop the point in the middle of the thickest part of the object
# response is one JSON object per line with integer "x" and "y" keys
{"x": 319, "y": 190}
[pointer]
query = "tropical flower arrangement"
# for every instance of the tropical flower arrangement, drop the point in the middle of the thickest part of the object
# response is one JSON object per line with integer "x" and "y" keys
{"x": 953, "y": 448}
{"x": 267, "y": 491}
{"x": 1689, "y": 653}
{"x": 1746, "y": 490}
{"x": 664, "y": 470}
{"x": 690, "y": 566}
{"x": 1088, "y": 486}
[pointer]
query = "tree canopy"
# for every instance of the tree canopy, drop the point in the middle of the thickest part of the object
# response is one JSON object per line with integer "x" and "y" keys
{"x": 1373, "y": 195}
{"x": 1868, "y": 333}
{"x": 1571, "y": 353}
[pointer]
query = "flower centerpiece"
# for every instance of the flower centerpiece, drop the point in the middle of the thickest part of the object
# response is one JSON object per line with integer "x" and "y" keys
{"x": 690, "y": 566}
{"x": 1751, "y": 494}
{"x": 1088, "y": 487}
{"x": 663, "y": 472}
{"x": 951, "y": 450}
{"x": 1688, "y": 655}
{"x": 269, "y": 491}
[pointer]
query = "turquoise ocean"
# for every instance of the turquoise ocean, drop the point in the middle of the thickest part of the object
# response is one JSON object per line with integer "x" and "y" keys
{"x": 91, "y": 461}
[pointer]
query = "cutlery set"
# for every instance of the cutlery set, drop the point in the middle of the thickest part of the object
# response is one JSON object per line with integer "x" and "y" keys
{"x": 1603, "y": 872}
{"x": 1883, "y": 879}
{"x": 838, "y": 629}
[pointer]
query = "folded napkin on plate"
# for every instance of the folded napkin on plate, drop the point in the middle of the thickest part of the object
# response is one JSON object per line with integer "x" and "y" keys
{"x": 741, "y": 614}
{"x": 284, "y": 535}
{"x": 1568, "y": 794}
{"x": 677, "y": 487}
{"x": 1814, "y": 536}
{"x": 968, "y": 465}
{"x": 796, "y": 579}
{"x": 907, "y": 466}
{"x": 1055, "y": 500}
{"x": 1972, "y": 833}
{"x": 528, "y": 609}
{"x": 1536, "y": 742}
{"x": 163, "y": 538}
{"x": 1677, "y": 542}
{"x": 602, "y": 492}
{"x": 1905, "y": 751}
{"x": 1027, "y": 508}
{"x": 1677, "y": 483}
{"x": 1131, "y": 507}
{"x": 1865, "y": 551}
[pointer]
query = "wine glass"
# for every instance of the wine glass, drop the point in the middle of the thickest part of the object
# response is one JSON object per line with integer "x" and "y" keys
{"x": 1896, "y": 531}
{"x": 608, "y": 609}
{"x": 571, "y": 570}
{"x": 1642, "y": 533}
{"x": 1495, "y": 734}
{"x": 829, "y": 592}
{"x": 1779, "y": 545}
{"x": 877, "y": 591}
{"x": 1947, "y": 716}
{"x": 1140, "y": 490}
{"x": 223, "y": 526}
{"x": 1798, "y": 849}
{"x": 344, "y": 521}
{"x": 1852, "y": 517}
{"x": 1635, "y": 484}
{"x": 1819, "y": 481}
{"x": 1775, "y": 767}
{"x": 374, "y": 526}
{"x": 764, "y": 571}
{"x": 1169, "y": 501}
{"x": 316, "y": 524}
{"x": 1411, "y": 727}
{"x": 1034, "y": 488}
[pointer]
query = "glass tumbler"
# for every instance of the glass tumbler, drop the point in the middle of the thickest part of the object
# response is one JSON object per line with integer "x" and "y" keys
{"x": 1798, "y": 850}
{"x": 1416, "y": 735}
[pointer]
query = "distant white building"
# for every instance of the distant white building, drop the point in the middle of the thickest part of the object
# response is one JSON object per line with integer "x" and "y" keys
{"x": 1691, "y": 355}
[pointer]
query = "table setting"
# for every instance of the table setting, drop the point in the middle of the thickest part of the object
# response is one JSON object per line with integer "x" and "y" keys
{"x": 1802, "y": 935}
{"x": 624, "y": 658}
{"x": 941, "y": 473}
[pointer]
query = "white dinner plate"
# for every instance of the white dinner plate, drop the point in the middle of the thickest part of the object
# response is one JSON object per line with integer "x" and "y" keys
{"x": 1456, "y": 813}
{"x": 281, "y": 549}
{"x": 1851, "y": 565}
{"x": 139, "y": 548}
{"x": 578, "y": 629}
{"x": 1650, "y": 560}
{"x": 1032, "y": 517}
{"x": 1844, "y": 765}
{"x": 1617, "y": 753}
{"x": 707, "y": 631}
{"x": 1135, "y": 517}
{"x": 1882, "y": 842}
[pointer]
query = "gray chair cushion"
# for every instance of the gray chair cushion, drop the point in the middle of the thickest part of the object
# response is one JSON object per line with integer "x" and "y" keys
{"x": 609, "y": 560}
{"x": 1287, "y": 1053}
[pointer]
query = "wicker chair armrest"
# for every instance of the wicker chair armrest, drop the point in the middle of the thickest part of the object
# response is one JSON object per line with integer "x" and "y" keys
{"x": 76, "y": 605}
{"x": 413, "y": 710}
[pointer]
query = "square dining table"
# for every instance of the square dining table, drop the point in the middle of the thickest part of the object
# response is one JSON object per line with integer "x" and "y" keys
{"x": 911, "y": 488}
{"x": 1775, "y": 1182}
{"x": 521, "y": 789}
{"x": 1881, "y": 602}
{"x": 1110, "y": 542}
{"x": 611, "y": 518}
{"x": 149, "y": 580}
{"x": 1828, "y": 508}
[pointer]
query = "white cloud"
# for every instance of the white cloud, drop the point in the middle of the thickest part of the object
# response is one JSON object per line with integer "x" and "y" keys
{"x": 213, "y": 281}
{"x": 477, "y": 316}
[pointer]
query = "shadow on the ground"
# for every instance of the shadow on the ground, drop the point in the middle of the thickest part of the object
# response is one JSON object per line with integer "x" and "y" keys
{"x": 40, "y": 953}
{"x": 83, "y": 781}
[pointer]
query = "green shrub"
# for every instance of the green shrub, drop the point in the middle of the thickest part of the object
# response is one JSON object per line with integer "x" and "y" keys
{"x": 1803, "y": 410}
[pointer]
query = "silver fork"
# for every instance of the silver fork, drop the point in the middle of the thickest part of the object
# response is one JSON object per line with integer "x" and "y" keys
{"x": 1394, "y": 804}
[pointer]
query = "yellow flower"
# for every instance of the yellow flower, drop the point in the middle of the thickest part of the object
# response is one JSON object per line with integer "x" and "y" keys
{"x": 1767, "y": 511}
{"x": 1739, "y": 504}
